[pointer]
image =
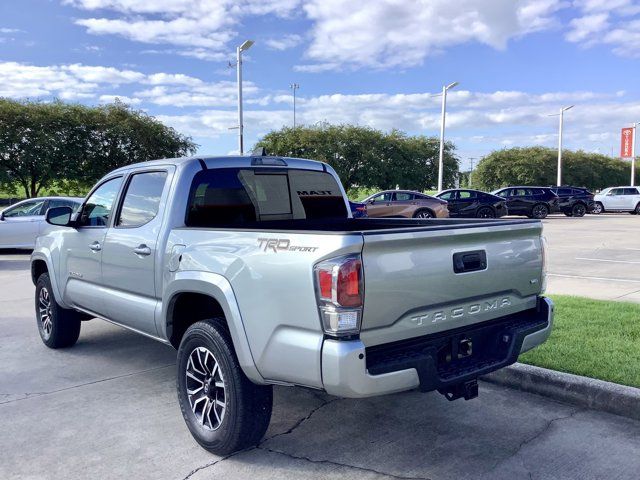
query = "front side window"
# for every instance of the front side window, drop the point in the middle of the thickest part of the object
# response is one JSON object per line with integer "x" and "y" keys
{"x": 142, "y": 199}
{"x": 236, "y": 196}
{"x": 616, "y": 191}
{"x": 26, "y": 209}
{"x": 97, "y": 209}
{"x": 445, "y": 196}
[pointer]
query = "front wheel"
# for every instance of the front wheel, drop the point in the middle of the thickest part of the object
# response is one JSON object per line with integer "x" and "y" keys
{"x": 485, "y": 212}
{"x": 578, "y": 210}
{"x": 424, "y": 214}
{"x": 58, "y": 327}
{"x": 598, "y": 208}
{"x": 539, "y": 211}
{"x": 224, "y": 411}
{"x": 637, "y": 210}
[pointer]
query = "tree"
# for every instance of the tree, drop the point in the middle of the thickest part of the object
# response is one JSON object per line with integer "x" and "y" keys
{"x": 45, "y": 142}
{"x": 365, "y": 157}
{"x": 538, "y": 166}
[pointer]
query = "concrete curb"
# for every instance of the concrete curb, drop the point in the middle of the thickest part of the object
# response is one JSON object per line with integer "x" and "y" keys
{"x": 565, "y": 387}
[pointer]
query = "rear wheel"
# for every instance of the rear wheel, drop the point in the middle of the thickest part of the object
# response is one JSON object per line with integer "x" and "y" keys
{"x": 58, "y": 327}
{"x": 578, "y": 210}
{"x": 424, "y": 213}
{"x": 637, "y": 210}
{"x": 539, "y": 211}
{"x": 224, "y": 411}
{"x": 598, "y": 208}
{"x": 485, "y": 212}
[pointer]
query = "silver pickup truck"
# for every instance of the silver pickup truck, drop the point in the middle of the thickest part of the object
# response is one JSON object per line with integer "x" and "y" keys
{"x": 254, "y": 270}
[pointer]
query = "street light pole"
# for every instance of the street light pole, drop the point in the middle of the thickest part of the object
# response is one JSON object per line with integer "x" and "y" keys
{"x": 294, "y": 87}
{"x": 242, "y": 48}
{"x": 445, "y": 88}
{"x": 561, "y": 114}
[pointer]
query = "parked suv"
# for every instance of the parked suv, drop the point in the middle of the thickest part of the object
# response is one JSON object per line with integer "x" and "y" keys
{"x": 533, "y": 202}
{"x": 618, "y": 199}
{"x": 574, "y": 201}
{"x": 405, "y": 203}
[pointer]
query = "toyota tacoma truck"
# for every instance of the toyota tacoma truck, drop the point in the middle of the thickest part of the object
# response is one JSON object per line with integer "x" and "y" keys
{"x": 255, "y": 271}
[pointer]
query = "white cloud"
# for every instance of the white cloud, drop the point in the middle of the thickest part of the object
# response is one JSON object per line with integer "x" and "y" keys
{"x": 388, "y": 33}
{"x": 615, "y": 23}
{"x": 122, "y": 98}
{"x": 284, "y": 42}
{"x": 201, "y": 28}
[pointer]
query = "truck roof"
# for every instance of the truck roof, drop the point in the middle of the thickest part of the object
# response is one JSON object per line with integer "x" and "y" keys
{"x": 231, "y": 161}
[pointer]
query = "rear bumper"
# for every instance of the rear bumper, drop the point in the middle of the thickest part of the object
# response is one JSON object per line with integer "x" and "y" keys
{"x": 349, "y": 369}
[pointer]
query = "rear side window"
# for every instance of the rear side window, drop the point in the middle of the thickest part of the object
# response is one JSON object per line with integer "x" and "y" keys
{"x": 142, "y": 199}
{"x": 566, "y": 191}
{"x": 465, "y": 194}
{"x": 630, "y": 191}
{"x": 234, "y": 196}
{"x": 403, "y": 197}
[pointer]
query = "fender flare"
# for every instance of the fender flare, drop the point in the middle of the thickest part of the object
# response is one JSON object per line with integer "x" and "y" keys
{"x": 57, "y": 294}
{"x": 217, "y": 287}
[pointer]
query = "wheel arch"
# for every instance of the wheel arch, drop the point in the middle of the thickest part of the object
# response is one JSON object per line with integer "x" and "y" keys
{"x": 421, "y": 209}
{"x": 204, "y": 295}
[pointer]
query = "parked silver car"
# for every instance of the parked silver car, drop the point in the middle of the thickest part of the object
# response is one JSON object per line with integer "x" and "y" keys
{"x": 22, "y": 222}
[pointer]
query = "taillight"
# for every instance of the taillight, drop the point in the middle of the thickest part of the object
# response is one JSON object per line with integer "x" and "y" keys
{"x": 339, "y": 290}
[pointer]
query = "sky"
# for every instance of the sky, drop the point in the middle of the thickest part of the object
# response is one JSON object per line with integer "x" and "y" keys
{"x": 376, "y": 63}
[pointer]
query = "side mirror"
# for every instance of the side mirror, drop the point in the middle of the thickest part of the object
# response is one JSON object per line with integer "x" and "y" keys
{"x": 609, "y": 194}
{"x": 371, "y": 202}
{"x": 59, "y": 216}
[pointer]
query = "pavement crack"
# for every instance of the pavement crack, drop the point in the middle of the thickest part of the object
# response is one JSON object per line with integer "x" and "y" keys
{"x": 338, "y": 464}
{"x": 215, "y": 462}
{"x": 37, "y": 394}
{"x": 301, "y": 421}
{"x": 536, "y": 436}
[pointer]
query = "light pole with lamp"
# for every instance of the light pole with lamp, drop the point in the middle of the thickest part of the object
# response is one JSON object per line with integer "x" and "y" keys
{"x": 445, "y": 88}
{"x": 242, "y": 48}
{"x": 561, "y": 114}
{"x": 294, "y": 87}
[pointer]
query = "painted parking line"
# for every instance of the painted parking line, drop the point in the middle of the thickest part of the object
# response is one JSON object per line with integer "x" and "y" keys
{"x": 594, "y": 278}
{"x": 605, "y": 260}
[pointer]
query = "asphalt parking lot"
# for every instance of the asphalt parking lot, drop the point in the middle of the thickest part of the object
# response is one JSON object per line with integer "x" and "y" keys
{"x": 595, "y": 256}
{"x": 107, "y": 408}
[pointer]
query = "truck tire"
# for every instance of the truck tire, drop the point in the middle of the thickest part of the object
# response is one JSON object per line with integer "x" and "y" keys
{"x": 539, "y": 211}
{"x": 224, "y": 411}
{"x": 58, "y": 327}
{"x": 598, "y": 208}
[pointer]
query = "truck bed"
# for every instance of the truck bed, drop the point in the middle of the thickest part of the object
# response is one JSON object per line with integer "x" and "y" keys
{"x": 361, "y": 226}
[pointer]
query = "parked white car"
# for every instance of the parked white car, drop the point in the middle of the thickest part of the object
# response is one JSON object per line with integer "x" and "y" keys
{"x": 617, "y": 199}
{"x": 21, "y": 223}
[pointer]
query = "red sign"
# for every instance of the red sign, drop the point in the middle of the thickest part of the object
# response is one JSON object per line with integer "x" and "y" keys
{"x": 626, "y": 145}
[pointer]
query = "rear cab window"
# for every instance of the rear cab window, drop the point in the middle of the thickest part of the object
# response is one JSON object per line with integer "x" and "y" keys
{"x": 237, "y": 196}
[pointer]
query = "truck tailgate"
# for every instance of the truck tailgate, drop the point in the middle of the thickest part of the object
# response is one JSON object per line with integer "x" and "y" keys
{"x": 412, "y": 287}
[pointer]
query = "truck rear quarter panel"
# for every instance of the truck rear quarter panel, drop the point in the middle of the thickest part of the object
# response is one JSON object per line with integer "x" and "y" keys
{"x": 271, "y": 274}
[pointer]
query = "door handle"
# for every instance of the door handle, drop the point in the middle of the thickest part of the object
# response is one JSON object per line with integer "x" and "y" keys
{"x": 142, "y": 250}
{"x": 95, "y": 246}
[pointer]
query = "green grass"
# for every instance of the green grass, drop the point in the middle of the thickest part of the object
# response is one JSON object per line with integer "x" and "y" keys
{"x": 593, "y": 338}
